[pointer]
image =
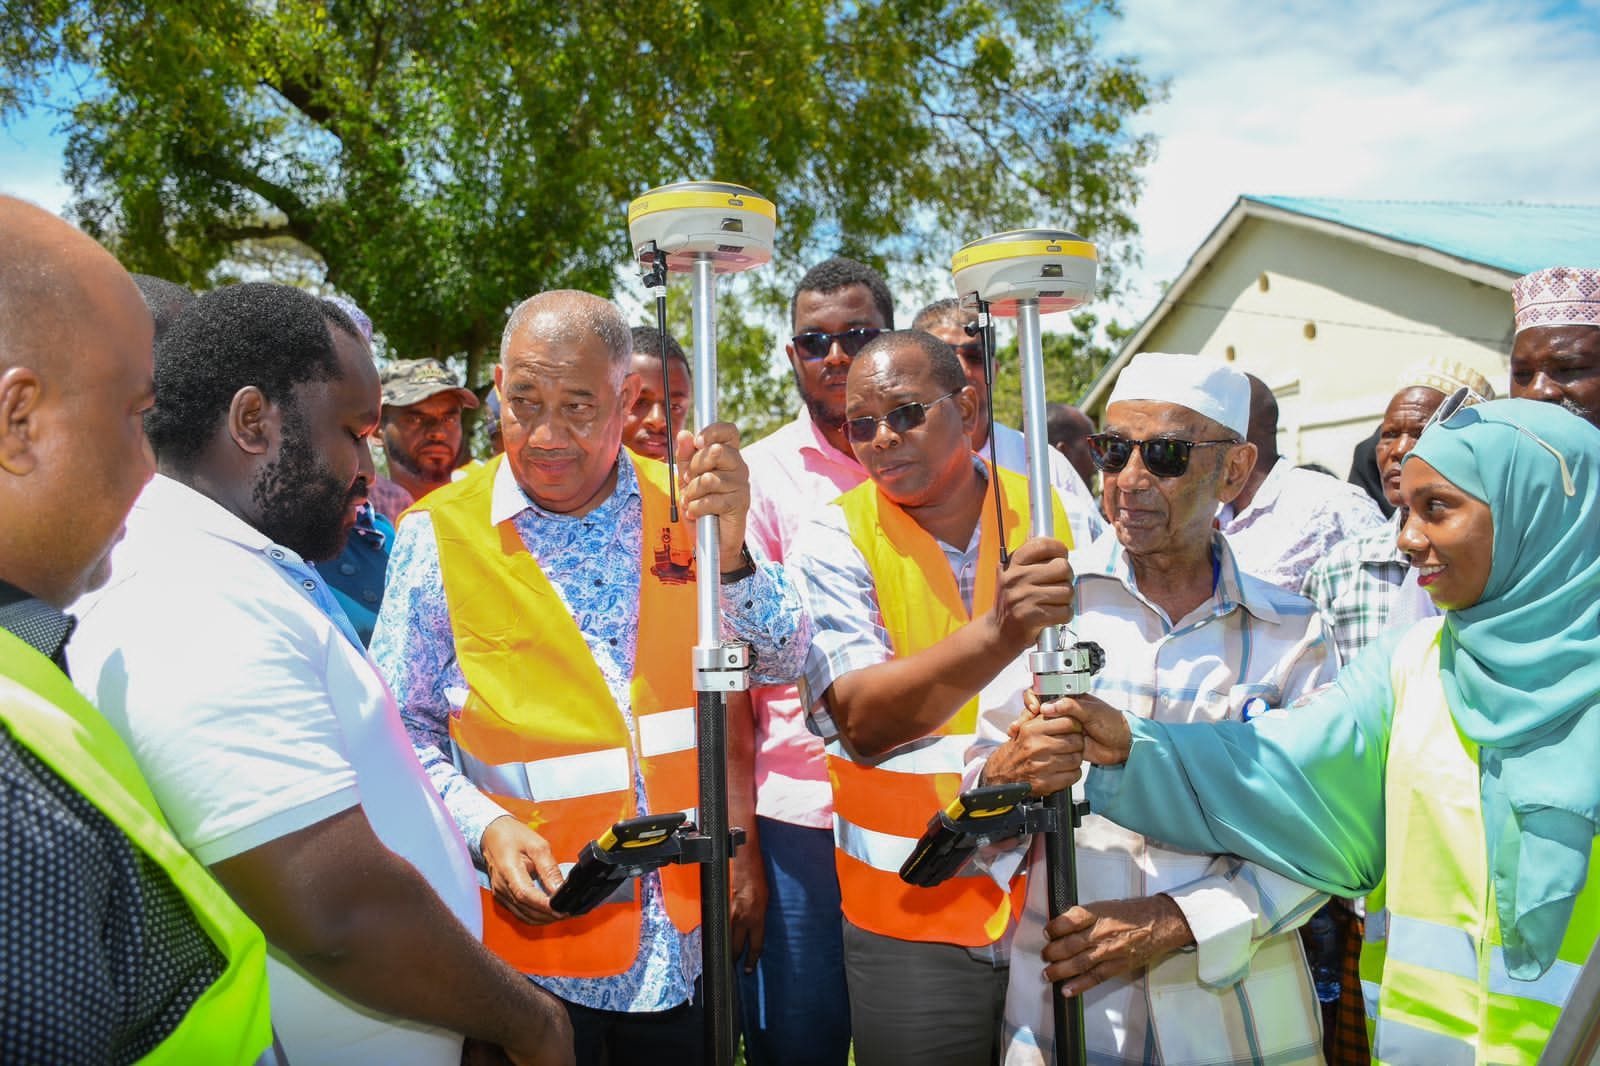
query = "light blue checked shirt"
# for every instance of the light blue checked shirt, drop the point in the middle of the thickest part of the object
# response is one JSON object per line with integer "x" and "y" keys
{"x": 1243, "y": 995}
{"x": 593, "y": 562}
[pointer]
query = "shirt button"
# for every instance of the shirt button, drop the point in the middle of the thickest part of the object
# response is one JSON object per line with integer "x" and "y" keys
{"x": 276, "y": 553}
{"x": 310, "y": 586}
{"x": 371, "y": 597}
{"x": 347, "y": 569}
{"x": 612, "y": 642}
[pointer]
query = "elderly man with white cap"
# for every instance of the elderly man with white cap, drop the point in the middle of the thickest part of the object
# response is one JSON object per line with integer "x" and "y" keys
{"x": 1556, "y": 355}
{"x": 1180, "y": 957}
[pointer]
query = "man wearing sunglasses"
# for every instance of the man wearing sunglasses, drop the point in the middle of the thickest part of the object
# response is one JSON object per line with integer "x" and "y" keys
{"x": 1178, "y": 955}
{"x": 914, "y": 615}
{"x": 947, "y": 320}
{"x": 793, "y": 1000}
{"x": 1556, "y": 355}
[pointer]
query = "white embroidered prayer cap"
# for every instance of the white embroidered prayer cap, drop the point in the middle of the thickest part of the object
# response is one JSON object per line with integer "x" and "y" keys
{"x": 1204, "y": 386}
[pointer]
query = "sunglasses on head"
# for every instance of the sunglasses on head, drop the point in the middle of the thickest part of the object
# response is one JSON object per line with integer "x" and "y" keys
{"x": 1464, "y": 398}
{"x": 1163, "y": 456}
{"x": 901, "y": 420}
{"x": 817, "y": 345}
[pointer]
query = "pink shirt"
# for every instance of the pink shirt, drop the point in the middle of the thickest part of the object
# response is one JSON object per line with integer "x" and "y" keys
{"x": 794, "y": 473}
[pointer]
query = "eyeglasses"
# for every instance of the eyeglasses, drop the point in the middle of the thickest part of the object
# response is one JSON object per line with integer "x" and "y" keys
{"x": 1464, "y": 398}
{"x": 1163, "y": 456}
{"x": 901, "y": 420}
{"x": 817, "y": 345}
{"x": 970, "y": 351}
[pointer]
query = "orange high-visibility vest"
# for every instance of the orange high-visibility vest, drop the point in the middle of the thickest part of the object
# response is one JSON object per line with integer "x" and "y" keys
{"x": 881, "y": 806}
{"x": 540, "y": 733}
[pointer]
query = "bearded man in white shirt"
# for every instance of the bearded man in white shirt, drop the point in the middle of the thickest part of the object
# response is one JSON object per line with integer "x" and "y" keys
{"x": 267, "y": 736}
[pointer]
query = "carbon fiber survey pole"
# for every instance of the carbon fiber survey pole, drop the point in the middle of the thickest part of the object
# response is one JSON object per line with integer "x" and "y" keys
{"x": 1051, "y": 678}
{"x": 1024, "y": 274}
{"x": 718, "y": 668}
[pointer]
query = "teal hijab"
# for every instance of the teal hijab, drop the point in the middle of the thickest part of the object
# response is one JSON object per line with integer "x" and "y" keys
{"x": 1521, "y": 667}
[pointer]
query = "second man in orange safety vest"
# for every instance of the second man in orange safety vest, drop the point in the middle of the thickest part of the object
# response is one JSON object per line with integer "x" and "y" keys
{"x": 913, "y": 616}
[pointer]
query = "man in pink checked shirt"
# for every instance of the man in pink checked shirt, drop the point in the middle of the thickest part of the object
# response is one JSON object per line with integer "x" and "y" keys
{"x": 795, "y": 1010}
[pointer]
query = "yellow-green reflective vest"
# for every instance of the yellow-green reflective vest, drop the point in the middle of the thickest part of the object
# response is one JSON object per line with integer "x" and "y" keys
{"x": 1432, "y": 971}
{"x": 231, "y": 1021}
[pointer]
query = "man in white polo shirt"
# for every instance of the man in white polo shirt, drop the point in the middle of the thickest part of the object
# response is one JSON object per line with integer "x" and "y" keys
{"x": 267, "y": 737}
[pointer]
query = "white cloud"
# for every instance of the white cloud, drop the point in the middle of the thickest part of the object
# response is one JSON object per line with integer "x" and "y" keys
{"x": 1370, "y": 99}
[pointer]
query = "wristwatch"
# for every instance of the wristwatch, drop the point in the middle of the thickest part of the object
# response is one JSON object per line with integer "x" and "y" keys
{"x": 746, "y": 567}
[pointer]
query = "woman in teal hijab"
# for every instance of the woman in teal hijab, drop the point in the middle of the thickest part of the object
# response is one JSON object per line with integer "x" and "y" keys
{"x": 1503, "y": 527}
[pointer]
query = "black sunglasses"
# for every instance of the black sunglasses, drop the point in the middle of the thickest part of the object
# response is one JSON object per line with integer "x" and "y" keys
{"x": 902, "y": 419}
{"x": 970, "y": 351}
{"x": 1163, "y": 456}
{"x": 817, "y": 345}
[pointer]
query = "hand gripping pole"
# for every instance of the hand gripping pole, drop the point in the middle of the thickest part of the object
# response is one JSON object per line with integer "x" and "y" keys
{"x": 1022, "y": 274}
{"x": 704, "y": 229}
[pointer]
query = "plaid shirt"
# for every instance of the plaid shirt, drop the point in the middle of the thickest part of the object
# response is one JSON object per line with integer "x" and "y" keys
{"x": 1360, "y": 588}
{"x": 1243, "y": 995}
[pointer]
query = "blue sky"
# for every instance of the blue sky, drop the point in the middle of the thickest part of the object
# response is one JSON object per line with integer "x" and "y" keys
{"x": 1444, "y": 100}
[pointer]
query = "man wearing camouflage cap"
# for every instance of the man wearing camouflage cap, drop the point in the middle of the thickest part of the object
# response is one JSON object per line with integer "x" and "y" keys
{"x": 422, "y": 404}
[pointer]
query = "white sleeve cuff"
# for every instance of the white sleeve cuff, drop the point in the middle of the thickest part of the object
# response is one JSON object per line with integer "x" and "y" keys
{"x": 1222, "y": 925}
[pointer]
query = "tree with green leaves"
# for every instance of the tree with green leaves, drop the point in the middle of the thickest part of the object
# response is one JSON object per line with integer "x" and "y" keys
{"x": 440, "y": 161}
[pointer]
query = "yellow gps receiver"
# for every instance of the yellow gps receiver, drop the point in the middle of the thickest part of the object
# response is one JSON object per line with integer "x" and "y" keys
{"x": 1052, "y": 266}
{"x": 731, "y": 224}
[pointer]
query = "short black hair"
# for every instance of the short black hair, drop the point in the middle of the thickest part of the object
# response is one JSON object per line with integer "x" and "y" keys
{"x": 837, "y": 273}
{"x": 944, "y": 366}
{"x": 271, "y": 336}
{"x": 647, "y": 341}
{"x": 1061, "y": 422}
{"x": 166, "y": 300}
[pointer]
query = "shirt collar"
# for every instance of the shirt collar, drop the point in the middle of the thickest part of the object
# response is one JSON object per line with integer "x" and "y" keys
{"x": 36, "y": 623}
{"x": 812, "y": 440}
{"x": 178, "y": 506}
{"x": 1105, "y": 557}
{"x": 507, "y": 500}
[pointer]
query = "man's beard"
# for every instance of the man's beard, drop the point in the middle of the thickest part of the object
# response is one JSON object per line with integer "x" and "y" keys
{"x": 301, "y": 504}
{"x": 435, "y": 472}
{"x": 1569, "y": 404}
{"x": 817, "y": 407}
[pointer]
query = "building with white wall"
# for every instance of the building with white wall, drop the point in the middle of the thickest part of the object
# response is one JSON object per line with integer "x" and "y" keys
{"x": 1328, "y": 301}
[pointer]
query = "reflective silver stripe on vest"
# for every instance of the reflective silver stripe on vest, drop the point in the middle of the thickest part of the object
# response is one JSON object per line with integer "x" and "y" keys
{"x": 1399, "y": 1044}
{"x": 544, "y": 780}
{"x": 1433, "y": 947}
{"x": 666, "y": 731}
{"x": 1554, "y": 986}
{"x": 1376, "y": 928}
{"x": 1369, "y": 997}
{"x": 930, "y": 755}
{"x": 881, "y": 851}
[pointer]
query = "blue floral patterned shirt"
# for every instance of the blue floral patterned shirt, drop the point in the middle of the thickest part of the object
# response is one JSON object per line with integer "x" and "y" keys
{"x": 593, "y": 562}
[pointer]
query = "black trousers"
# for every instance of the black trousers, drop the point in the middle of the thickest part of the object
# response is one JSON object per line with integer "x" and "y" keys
{"x": 673, "y": 1037}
